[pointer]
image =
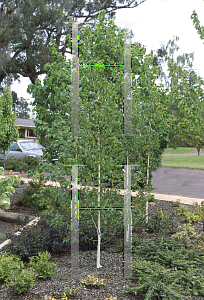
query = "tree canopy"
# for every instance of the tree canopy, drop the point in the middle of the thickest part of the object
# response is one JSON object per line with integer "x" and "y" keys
{"x": 27, "y": 27}
{"x": 20, "y": 106}
{"x": 8, "y": 128}
{"x": 101, "y": 103}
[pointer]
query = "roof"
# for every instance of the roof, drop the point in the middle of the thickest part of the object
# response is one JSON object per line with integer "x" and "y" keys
{"x": 25, "y": 123}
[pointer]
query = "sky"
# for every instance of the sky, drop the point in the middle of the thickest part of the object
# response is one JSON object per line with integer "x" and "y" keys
{"x": 153, "y": 22}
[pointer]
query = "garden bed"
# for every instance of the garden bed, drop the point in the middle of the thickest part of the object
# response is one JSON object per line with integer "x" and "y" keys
{"x": 111, "y": 272}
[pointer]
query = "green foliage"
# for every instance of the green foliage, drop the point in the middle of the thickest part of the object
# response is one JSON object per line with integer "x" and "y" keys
{"x": 102, "y": 119}
{"x": 161, "y": 223}
{"x": 166, "y": 269}
{"x": 184, "y": 233}
{"x": 176, "y": 204}
{"x": 93, "y": 281}
{"x": 190, "y": 217}
{"x": 7, "y": 264}
{"x": 17, "y": 181}
{"x": 22, "y": 164}
{"x": 42, "y": 266}
{"x": 70, "y": 292}
{"x": 188, "y": 121}
{"x": 6, "y": 189}
{"x": 8, "y": 128}
{"x": 21, "y": 280}
{"x": 41, "y": 21}
{"x": 29, "y": 197}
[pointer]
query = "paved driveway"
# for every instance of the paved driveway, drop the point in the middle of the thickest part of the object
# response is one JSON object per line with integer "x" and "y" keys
{"x": 179, "y": 181}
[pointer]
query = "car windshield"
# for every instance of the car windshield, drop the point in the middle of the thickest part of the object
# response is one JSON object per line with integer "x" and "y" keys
{"x": 27, "y": 146}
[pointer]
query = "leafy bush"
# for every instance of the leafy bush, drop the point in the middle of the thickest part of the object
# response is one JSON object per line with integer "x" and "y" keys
{"x": 184, "y": 233}
{"x": 6, "y": 189}
{"x": 166, "y": 269}
{"x": 93, "y": 281}
{"x": 7, "y": 264}
{"x": 42, "y": 266}
{"x": 191, "y": 217}
{"x": 21, "y": 280}
{"x": 29, "y": 198}
{"x": 22, "y": 164}
{"x": 161, "y": 223}
{"x": 39, "y": 238}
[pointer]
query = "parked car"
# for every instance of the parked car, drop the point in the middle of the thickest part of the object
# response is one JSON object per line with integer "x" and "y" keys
{"x": 24, "y": 148}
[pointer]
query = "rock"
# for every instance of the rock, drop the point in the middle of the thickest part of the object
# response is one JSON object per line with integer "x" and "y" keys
{"x": 15, "y": 217}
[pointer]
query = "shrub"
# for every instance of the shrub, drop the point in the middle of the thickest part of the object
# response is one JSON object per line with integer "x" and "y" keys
{"x": 21, "y": 280}
{"x": 184, "y": 233}
{"x": 161, "y": 223}
{"x": 7, "y": 264}
{"x": 42, "y": 266}
{"x": 71, "y": 292}
{"x": 92, "y": 281}
{"x": 22, "y": 164}
{"x": 29, "y": 198}
{"x": 191, "y": 217}
{"x": 39, "y": 238}
{"x": 6, "y": 189}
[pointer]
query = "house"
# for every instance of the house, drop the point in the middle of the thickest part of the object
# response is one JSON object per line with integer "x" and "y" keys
{"x": 26, "y": 128}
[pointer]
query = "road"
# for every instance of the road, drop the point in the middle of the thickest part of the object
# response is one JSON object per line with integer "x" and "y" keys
{"x": 179, "y": 181}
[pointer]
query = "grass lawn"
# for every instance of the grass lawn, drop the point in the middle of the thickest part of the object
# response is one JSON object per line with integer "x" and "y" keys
{"x": 179, "y": 150}
{"x": 196, "y": 162}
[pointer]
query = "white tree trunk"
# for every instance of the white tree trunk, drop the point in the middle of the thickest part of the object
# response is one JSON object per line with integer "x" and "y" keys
{"x": 147, "y": 203}
{"x": 98, "y": 265}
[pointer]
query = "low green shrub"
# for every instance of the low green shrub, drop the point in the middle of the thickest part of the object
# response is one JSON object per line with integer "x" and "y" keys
{"x": 29, "y": 198}
{"x": 191, "y": 217}
{"x": 166, "y": 269}
{"x": 21, "y": 280}
{"x": 161, "y": 223}
{"x": 6, "y": 189}
{"x": 8, "y": 263}
{"x": 176, "y": 204}
{"x": 41, "y": 264}
{"x": 184, "y": 233}
{"x": 22, "y": 164}
{"x": 93, "y": 282}
{"x": 70, "y": 292}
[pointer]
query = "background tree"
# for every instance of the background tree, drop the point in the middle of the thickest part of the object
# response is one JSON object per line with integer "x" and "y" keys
{"x": 8, "y": 129}
{"x": 20, "y": 106}
{"x": 188, "y": 121}
{"x": 169, "y": 54}
{"x": 27, "y": 27}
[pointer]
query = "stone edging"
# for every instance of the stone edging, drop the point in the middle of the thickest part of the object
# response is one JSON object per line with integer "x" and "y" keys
{"x": 31, "y": 223}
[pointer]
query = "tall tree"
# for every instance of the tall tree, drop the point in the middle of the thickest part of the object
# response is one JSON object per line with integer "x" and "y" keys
{"x": 188, "y": 121}
{"x": 20, "y": 106}
{"x": 169, "y": 54}
{"x": 8, "y": 128}
{"x": 101, "y": 144}
{"x": 27, "y": 27}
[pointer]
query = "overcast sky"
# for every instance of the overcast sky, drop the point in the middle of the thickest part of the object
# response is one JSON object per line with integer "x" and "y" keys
{"x": 155, "y": 21}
